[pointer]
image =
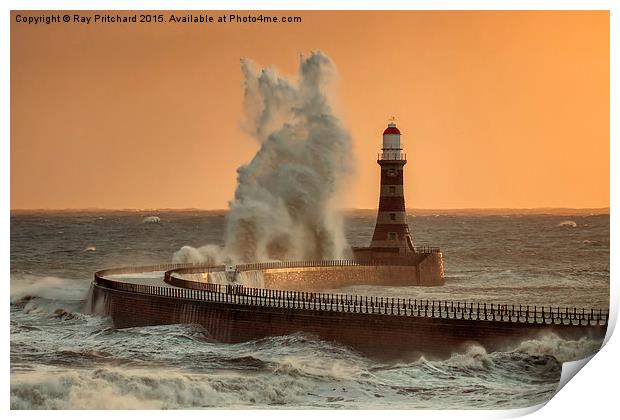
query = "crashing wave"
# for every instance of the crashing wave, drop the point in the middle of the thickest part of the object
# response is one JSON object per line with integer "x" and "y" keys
{"x": 286, "y": 198}
{"x": 25, "y": 288}
{"x": 562, "y": 350}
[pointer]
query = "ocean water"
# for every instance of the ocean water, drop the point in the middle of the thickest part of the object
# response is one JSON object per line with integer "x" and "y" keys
{"x": 64, "y": 358}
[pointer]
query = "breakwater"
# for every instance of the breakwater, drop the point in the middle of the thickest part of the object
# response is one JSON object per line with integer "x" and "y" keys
{"x": 378, "y": 326}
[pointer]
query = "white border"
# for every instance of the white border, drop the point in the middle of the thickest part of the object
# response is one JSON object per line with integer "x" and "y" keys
{"x": 592, "y": 394}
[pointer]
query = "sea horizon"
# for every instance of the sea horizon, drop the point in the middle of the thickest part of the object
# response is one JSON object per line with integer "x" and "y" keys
{"x": 483, "y": 211}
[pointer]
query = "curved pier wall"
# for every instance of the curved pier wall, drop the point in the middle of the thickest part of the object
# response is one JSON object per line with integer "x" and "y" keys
{"x": 377, "y": 335}
{"x": 319, "y": 278}
{"x": 428, "y": 273}
{"x": 418, "y": 269}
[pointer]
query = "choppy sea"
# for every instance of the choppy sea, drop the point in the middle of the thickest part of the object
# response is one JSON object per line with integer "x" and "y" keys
{"x": 63, "y": 358}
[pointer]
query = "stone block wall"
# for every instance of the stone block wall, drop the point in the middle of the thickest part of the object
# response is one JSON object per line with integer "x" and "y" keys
{"x": 428, "y": 273}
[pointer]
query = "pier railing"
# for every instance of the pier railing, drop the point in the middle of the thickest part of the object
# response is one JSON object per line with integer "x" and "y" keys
{"x": 325, "y": 263}
{"x": 392, "y": 261}
{"x": 268, "y": 298}
{"x": 154, "y": 268}
{"x": 194, "y": 268}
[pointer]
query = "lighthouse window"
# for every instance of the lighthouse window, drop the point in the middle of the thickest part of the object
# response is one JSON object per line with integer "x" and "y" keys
{"x": 392, "y": 216}
{"x": 391, "y": 172}
{"x": 392, "y": 236}
{"x": 392, "y": 190}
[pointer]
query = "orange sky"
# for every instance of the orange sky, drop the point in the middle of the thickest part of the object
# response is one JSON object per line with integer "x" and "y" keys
{"x": 497, "y": 109}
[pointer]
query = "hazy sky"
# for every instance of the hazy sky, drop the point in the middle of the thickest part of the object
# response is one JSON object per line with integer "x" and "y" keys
{"x": 497, "y": 109}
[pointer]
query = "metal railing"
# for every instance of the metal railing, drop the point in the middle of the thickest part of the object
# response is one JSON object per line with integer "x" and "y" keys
{"x": 392, "y": 156}
{"x": 240, "y": 295}
{"x": 389, "y": 261}
{"x": 151, "y": 268}
{"x": 326, "y": 263}
{"x": 193, "y": 268}
{"x": 425, "y": 249}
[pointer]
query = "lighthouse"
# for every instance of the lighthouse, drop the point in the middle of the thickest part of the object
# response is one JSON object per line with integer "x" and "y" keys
{"x": 391, "y": 243}
{"x": 392, "y": 233}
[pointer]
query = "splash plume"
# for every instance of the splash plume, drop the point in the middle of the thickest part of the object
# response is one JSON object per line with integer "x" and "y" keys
{"x": 284, "y": 204}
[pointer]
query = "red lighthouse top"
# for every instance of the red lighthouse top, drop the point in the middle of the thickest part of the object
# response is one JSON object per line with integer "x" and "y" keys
{"x": 391, "y": 129}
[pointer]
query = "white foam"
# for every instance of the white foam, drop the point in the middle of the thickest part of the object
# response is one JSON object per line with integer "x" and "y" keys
{"x": 252, "y": 278}
{"x": 126, "y": 388}
{"x": 218, "y": 277}
{"x": 475, "y": 356}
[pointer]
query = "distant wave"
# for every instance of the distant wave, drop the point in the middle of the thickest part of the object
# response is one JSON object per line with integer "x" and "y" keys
{"x": 27, "y": 287}
{"x": 89, "y": 249}
{"x": 151, "y": 219}
{"x": 568, "y": 223}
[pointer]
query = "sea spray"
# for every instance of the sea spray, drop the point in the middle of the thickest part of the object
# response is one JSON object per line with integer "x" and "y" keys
{"x": 284, "y": 204}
